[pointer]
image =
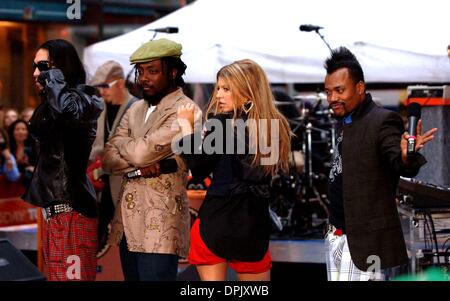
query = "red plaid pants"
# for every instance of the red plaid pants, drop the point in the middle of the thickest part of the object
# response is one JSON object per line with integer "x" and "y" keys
{"x": 69, "y": 246}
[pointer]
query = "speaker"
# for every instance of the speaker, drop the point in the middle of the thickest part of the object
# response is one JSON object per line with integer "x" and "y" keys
{"x": 437, "y": 169}
{"x": 14, "y": 266}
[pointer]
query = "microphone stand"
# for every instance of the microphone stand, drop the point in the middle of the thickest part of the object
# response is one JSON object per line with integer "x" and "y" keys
{"x": 302, "y": 209}
{"x": 323, "y": 39}
{"x": 165, "y": 30}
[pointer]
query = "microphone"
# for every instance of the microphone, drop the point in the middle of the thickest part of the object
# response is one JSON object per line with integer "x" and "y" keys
{"x": 165, "y": 29}
{"x": 414, "y": 112}
{"x": 309, "y": 27}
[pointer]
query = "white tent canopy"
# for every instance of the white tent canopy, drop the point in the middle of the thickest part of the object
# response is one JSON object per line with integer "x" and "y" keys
{"x": 395, "y": 41}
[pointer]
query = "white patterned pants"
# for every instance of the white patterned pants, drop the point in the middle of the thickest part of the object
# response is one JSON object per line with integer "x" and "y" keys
{"x": 340, "y": 266}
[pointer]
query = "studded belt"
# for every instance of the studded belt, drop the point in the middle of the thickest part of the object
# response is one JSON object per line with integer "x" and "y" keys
{"x": 55, "y": 209}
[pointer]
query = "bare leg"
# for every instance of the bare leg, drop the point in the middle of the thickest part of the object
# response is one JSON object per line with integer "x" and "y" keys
{"x": 215, "y": 272}
{"x": 264, "y": 276}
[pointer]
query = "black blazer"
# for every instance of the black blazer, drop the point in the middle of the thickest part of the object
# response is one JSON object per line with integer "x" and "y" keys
{"x": 234, "y": 217}
{"x": 371, "y": 167}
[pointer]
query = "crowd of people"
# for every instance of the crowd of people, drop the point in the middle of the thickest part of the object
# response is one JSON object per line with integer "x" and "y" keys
{"x": 108, "y": 168}
{"x": 18, "y": 148}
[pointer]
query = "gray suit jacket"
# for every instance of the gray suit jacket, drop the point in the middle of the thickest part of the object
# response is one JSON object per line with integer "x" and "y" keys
{"x": 99, "y": 143}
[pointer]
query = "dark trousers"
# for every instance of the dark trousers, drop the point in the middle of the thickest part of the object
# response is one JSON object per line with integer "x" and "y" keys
{"x": 137, "y": 266}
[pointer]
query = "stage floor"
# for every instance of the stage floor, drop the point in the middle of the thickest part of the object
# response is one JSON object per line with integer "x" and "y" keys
{"x": 292, "y": 258}
{"x": 298, "y": 251}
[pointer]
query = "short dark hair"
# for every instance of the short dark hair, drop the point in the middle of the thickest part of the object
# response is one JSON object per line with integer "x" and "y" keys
{"x": 64, "y": 56}
{"x": 344, "y": 58}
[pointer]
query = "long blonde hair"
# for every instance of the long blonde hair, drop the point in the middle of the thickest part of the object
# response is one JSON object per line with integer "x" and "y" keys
{"x": 248, "y": 83}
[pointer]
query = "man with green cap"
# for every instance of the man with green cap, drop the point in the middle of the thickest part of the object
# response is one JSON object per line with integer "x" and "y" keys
{"x": 151, "y": 222}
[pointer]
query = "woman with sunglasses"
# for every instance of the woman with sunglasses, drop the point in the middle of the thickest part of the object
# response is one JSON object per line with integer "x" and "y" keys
{"x": 64, "y": 124}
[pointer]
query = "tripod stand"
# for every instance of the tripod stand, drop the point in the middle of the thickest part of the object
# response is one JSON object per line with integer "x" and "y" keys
{"x": 311, "y": 210}
{"x": 301, "y": 205}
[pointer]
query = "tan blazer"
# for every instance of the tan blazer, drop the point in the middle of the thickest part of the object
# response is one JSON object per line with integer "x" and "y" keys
{"x": 154, "y": 212}
{"x": 99, "y": 145}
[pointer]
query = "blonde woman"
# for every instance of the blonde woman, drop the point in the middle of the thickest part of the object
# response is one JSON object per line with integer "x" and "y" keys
{"x": 233, "y": 228}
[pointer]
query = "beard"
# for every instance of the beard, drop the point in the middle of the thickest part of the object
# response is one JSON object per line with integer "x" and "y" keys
{"x": 153, "y": 99}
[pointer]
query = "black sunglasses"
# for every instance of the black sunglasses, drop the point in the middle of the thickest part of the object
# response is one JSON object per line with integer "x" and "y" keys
{"x": 42, "y": 65}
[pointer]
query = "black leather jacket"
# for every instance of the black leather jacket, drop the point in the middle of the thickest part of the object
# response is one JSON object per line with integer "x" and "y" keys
{"x": 64, "y": 124}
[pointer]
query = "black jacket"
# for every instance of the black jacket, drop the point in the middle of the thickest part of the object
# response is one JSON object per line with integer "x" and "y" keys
{"x": 234, "y": 217}
{"x": 64, "y": 124}
{"x": 371, "y": 167}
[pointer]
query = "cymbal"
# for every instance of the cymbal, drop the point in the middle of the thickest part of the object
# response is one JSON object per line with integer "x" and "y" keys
{"x": 301, "y": 119}
{"x": 309, "y": 97}
{"x": 286, "y": 103}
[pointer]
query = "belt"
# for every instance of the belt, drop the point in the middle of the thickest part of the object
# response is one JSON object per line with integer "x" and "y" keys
{"x": 334, "y": 230}
{"x": 55, "y": 209}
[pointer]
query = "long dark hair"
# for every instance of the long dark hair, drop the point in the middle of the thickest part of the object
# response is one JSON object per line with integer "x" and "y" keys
{"x": 29, "y": 142}
{"x": 170, "y": 63}
{"x": 64, "y": 56}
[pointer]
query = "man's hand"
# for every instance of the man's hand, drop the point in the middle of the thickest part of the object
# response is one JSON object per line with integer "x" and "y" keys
{"x": 421, "y": 140}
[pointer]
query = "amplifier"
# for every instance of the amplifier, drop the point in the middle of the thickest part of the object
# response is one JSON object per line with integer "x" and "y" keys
{"x": 429, "y": 95}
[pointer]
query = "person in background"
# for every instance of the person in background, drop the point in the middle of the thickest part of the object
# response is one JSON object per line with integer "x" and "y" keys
{"x": 64, "y": 125}
{"x": 109, "y": 79}
{"x": 8, "y": 165}
{"x": 26, "y": 114}
{"x": 11, "y": 115}
{"x": 23, "y": 147}
{"x": 2, "y": 114}
{"x": 234, "y": 226}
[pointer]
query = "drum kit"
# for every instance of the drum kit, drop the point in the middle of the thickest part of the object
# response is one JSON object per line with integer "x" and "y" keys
{"x": 299, "y": 203}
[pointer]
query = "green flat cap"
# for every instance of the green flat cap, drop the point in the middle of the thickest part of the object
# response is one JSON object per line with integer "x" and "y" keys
{"x": 154, "y": 50}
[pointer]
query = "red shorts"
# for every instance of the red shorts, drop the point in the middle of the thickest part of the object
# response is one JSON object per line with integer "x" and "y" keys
{"x": 69, "y": 247}
{"x": 200, "y": 254}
